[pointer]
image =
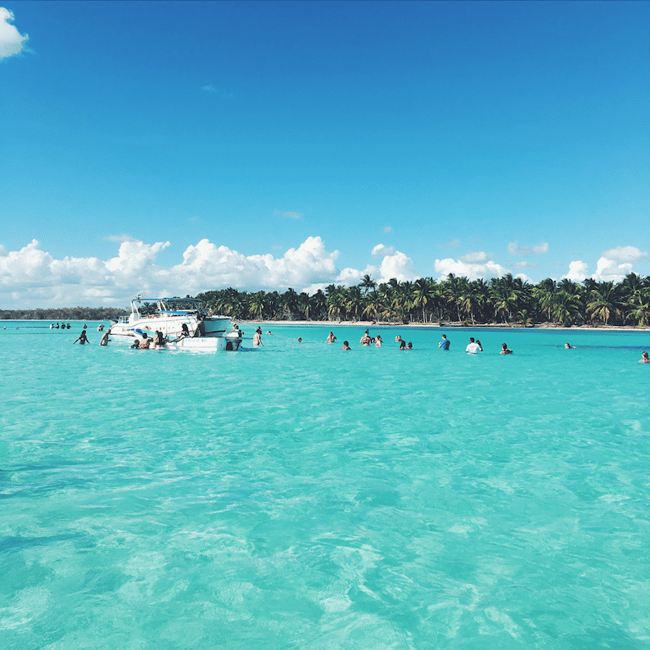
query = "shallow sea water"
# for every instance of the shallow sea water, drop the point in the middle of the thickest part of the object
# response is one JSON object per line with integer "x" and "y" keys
{"x": 299, "y": 496}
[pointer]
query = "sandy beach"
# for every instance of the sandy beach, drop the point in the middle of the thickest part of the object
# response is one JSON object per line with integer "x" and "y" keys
{"x": 497, "y": 326}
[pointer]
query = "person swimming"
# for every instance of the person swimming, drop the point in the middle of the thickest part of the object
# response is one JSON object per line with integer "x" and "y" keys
{"x": 568, "y": 346}
{"x": 505, "y": 349}
{"x": 346, "y": 346}
{"x": 331, "y": 338}
{"x": 644, "y": 357}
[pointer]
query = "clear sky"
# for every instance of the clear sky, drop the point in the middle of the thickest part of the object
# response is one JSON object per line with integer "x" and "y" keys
{"x": 170, "y": 148}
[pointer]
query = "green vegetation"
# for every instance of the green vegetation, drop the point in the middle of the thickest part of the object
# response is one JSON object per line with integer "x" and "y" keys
{"x": 505, "y": 300}
{"x": 64, "y": 314}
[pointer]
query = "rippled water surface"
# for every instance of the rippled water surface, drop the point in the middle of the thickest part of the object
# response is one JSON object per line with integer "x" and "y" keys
{"x": 299, "y": 496}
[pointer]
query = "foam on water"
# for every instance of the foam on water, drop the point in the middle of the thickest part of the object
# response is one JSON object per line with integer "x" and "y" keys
{"x": 299, "y": 496}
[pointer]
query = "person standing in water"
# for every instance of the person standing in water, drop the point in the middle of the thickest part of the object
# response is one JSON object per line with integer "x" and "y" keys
{"x": 444, "y": 344}
{"x": 505, "y": 349}
{"x": 257, "y": 338}
{"x": 82, "y": 338}
{"x": 473, "y": 347}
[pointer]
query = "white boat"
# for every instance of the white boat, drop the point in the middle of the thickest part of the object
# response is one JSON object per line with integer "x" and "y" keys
{"x": 184, "y": 319}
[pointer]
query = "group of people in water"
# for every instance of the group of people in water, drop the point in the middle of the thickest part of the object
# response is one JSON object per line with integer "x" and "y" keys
{"x": 158, "y": 341}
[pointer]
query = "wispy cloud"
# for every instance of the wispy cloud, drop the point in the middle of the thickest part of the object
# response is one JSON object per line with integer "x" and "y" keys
{"x": 220, "y": 92}
{"x": 452, "y": 244}
{"x": 388, "y": 229}
{"x": 11, "y": 40}
{"x": 526, "y": 265}
{"x": 118, "y": 238}
{"x": 288, "y": 215}
{"x": 524, "y": 251}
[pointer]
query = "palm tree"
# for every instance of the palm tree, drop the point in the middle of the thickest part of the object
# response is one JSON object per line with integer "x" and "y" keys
{"x": 367, "y": 284}
{"x": 604, "y": 301}
{"x": 424, "y": 294}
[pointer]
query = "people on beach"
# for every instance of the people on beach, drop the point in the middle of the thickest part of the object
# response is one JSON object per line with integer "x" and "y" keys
{"x": 378, "y": 341}
{"x": 346, "y": 346}
{"x": 444, "y": 344}
{"x": 82, "y": 338}
{"x": 331, "y": 338}
{"x": 473, "y": 347}
{"x": 644, "y": 358}
{"x": 505, "y": 349}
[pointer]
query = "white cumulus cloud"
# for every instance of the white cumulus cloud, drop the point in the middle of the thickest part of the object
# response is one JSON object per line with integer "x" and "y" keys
{"x": 616, "y": 263}
{"x": 473, "y": 266}
{"x": 625, "y": 254}
{"x": 381, "y": 251}
{"x": 577, "y": 271}
{"x": 524, "y": 251}
{"x": 31, "y": 277}
{"x": 11, "y": 41}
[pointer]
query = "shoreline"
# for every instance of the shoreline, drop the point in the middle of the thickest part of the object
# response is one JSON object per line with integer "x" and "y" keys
{"x": 384, "y": 324}
{"x": 495, "y": 326}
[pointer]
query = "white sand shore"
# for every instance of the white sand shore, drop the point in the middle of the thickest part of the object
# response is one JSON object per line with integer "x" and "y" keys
{"x": 367, "y": 324}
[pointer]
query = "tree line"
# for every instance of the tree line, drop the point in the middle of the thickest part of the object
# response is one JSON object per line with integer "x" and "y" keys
{"x": 64, "y": 314}
{"x": 506, "y": 300}
{"x": 455, "y": 299}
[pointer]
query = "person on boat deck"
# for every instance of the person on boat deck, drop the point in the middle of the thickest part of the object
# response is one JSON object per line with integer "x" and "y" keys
{"x": 505, "y": 349}
{"x": 644, "y": 358}
{"x": 82, "y": 338}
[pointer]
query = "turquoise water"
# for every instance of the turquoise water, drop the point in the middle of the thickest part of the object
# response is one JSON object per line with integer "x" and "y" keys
{"x": 299, "y": 496}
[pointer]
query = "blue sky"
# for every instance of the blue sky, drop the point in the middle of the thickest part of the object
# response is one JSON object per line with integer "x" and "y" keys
{"x": 165, "y": 147}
